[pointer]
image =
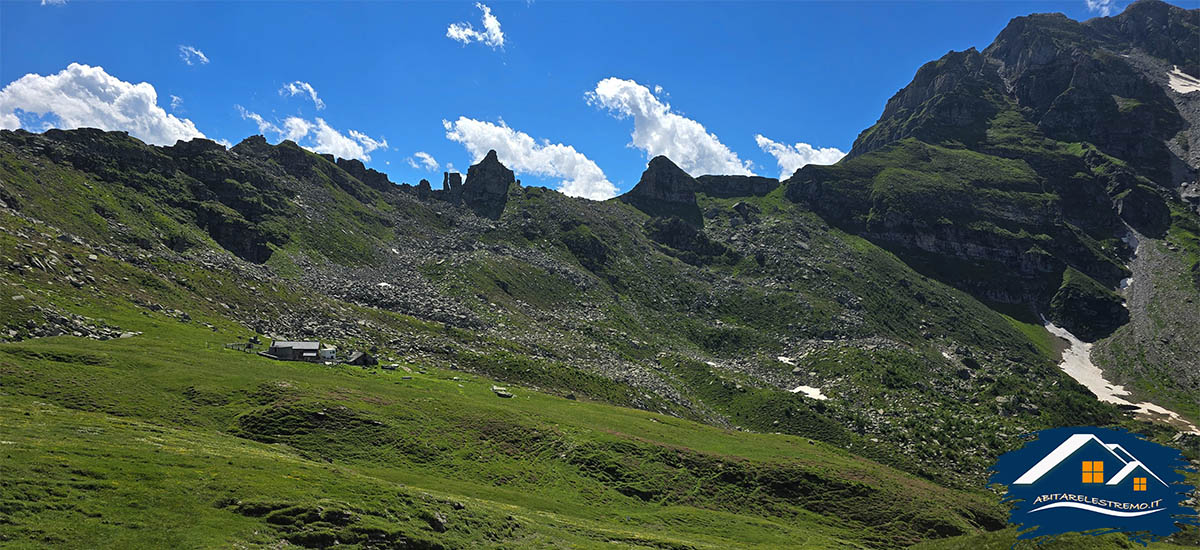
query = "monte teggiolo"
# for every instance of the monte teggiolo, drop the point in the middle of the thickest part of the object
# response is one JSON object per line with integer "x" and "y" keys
{"x": 654, "y": 275}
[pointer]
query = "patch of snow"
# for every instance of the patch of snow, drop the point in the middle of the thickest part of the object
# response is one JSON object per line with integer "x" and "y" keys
{"x": 947, "y": 355}
{"x": 788, "y": 360}
{"x": 383, "y": 285}
{"x": 1182, "y": 82}
{"x": 1126, "y": 282}
{"x": 1077, "y": 363}
{"x": 811, "y": 392}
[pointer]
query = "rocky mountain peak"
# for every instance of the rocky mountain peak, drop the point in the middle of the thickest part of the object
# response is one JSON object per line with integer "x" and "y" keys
{"x": 1157, "y": 28}
{"x": 194, "y": 147}
{"x": 665, "y": 190}
{"x": 664, "y": 181}
{"x": 487, "y": 186}
{"x": 959, "y": 87}
{"x": 256, "y": 146}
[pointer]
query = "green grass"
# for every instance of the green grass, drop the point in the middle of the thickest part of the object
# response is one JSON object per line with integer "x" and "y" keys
{"x": 105, "y": 436}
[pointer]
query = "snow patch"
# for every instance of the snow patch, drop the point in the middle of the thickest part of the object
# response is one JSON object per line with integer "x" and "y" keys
{"x": 1077, "y": 363}
{"x": 787, "y": 360}
{"x": 809, "y": 391}
{"x": 1182, "y": 82}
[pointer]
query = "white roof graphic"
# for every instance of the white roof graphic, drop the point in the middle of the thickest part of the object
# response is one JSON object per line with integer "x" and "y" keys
{"x": 1076, "y": 442}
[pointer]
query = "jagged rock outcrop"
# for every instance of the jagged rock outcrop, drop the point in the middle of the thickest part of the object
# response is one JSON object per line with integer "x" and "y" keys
{"x": 1158, "y": 28}
{"x": 451, "y": 182}
{"x": 194, "y": 147}
{"x": 488, "y": 184}
{"x": 424, "y": 189}
{"x": 371, "y": 177}
{"x": 664, "y": 190}
{"x": 946, "y": 99}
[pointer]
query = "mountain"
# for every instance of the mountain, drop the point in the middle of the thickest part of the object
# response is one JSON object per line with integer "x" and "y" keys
{"x": 1044, "y": 173}
{"x": 655, "y": 345}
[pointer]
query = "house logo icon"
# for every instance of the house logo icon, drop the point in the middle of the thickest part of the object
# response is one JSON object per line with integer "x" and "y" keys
{"x": 1096, "y": 480}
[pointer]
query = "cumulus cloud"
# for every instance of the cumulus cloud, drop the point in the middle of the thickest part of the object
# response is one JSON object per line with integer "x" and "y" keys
{"x": 82, "y": 96}
{"x": 520, "y": 152}
{"x": 423, "y": 161}
{"x": 295, "y": 128}
{"x": 192, "y": 55}
{"x": 1103, "y": 7}
{"x": 302, "y": 88}
{"x": 317, "y": 135}
{"x": 792, "y": 157}
{"x": 659, "y": 131}
{"x": 491, "y": 34}
{"x": 328, "y": 140}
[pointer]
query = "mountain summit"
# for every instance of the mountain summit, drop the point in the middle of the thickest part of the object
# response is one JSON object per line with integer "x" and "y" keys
{"x": 665, "y": 190}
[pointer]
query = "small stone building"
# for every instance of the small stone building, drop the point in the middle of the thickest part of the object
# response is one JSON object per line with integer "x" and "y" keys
{"x": 295, "y": 351}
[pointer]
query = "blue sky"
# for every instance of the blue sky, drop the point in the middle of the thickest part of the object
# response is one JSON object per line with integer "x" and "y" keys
{"x": 574, "y": 95}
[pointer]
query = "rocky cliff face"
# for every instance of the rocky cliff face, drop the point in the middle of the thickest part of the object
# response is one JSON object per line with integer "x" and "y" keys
{"x": 999, "y": 171}
{"x": 1074, "y": 81}
{"x": 487, "y": 186}
{"x": 665, "y": 190}
{"x": 946, "y": 100}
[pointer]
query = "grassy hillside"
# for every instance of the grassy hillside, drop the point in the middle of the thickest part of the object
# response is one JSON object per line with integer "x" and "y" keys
{"x": 168, "y": 439}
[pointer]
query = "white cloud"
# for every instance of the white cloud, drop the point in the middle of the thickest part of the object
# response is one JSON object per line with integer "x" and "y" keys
{"x": 423, "y": 161}
{"x": 263, "y": 125}
{"x": 491, "y": 34}
{"x": 225, "y": 143}
{"x": 1104, "y": 7}
{"x": 792, "y": 157}
{"x": 295, "y": 128}
{"x": 318, "y": 136}
{"x": 369, "y": 143}
{"x": 659, "y": 131}
{"x": 191, "y": 55}
{"x": 54, "y": 2}
{"x": 520, "y": 152}
{"x": 302, "y": 88}
{"x": 176, "y": 102}
{"x": 82, "y": 96}
{"x": 329, "y": 140}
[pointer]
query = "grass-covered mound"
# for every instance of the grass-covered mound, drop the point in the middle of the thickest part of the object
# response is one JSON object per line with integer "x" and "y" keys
{"x": 1086, "y": 308}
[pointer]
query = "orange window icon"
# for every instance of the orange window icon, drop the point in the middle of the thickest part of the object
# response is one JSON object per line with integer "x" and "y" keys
{"x": 1139, "y": 484}
{"x": 1093, "y": 471}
